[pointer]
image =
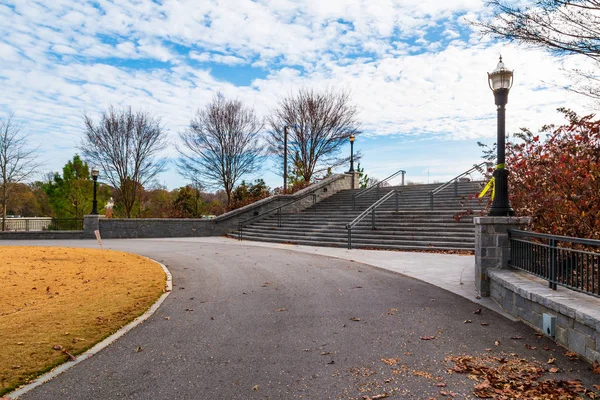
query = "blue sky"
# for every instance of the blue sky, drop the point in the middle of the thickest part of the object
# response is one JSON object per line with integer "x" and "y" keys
{"x": 415, "y": 68}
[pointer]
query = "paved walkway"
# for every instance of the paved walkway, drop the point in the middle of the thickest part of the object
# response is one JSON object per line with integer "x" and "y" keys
{"x": 244, "y": 322}
{"x": 452, "y": 272}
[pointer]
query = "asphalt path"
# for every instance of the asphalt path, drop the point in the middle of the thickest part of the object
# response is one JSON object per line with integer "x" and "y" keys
{"x": 249, "y": 322}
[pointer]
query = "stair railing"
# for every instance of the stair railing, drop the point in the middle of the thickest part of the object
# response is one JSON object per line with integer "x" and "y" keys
{"x": 371, "y": 210}
{"x": 277, "y": 210}
{"x": 376, "y": 187}
{"x": 454, "y": 181}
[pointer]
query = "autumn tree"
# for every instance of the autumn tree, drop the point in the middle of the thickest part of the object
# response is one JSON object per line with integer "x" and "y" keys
{"x": 71, "y": 193}
{"x": 247, "y": 193}
{"x": 318, "y": 124}
{"x": 555, "y": 176}
{"x": 564, "y": 27}
{"x": 17, "y": 161}
{"x": 221, "y": 145}
{"x": 126, "y": 146}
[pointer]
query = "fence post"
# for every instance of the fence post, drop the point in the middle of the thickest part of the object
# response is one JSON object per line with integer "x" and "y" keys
{"x": 431, "y": 201}
{"x": 349, "y": 237}
{"x": 373, "y": 218}
{"x": 403, "y": 172}
{"x": 552, "y": 278}
{"x": 26, "y": 225}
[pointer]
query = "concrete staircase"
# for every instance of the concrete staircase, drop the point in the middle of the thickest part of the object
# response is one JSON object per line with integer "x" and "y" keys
{"x": 413, "y": 227}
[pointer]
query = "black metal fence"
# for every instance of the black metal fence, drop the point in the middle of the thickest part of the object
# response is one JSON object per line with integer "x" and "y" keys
{"x": 43, "y": 224}
{"x": 565, "y": 261}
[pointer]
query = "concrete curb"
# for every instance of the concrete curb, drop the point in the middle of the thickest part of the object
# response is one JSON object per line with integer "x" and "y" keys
{"x": 98, "y": 346}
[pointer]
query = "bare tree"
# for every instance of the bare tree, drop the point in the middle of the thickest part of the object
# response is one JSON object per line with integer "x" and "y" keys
{"x": 125, "y": 145}
{"x": 221, "y": 145}
{"x": 318, "y": 124}
{"x": 564, "y": 27}
{"x": 17, "y": 160}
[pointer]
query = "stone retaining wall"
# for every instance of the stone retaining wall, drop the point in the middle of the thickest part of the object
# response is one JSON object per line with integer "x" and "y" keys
{"x": 528, "y": 298}
{"x": 123, "y": 228}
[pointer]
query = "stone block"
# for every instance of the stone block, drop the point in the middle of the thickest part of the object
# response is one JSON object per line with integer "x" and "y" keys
{"x": 488, "y": 241}
{"x": 522, "y": 303}
{"x": 564, "y": 322}
{"x": 536, "y": 320}
{"x": 577, "y": 341}
{"x": 586, "y": 330}
{"x": 508, "y": 304}
{"x": 592, "y": 355}
{"x": 590, "y": 343}
{"x": 562, "y": 336}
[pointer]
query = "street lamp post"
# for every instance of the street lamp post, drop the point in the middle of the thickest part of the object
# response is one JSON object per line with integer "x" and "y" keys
{"x": 351, "y": 153}
{"x": 95, "y": 174}
{"x": 500, "y": 81}
{"x": 285, "y": 135}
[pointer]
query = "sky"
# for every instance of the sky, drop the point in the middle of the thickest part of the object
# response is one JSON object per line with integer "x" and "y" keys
{"x": 416, "y": 71}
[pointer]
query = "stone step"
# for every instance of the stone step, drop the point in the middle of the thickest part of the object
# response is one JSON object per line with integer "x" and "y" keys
{"x": 364, "y": 245}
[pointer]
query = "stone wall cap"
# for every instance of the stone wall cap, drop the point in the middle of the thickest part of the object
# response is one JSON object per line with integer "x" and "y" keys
{"x": 586, "y": 308}
{"x": 501, "y": 220}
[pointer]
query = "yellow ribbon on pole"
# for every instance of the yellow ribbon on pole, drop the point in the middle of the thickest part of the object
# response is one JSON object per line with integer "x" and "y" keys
{"x": 491, "y": 184}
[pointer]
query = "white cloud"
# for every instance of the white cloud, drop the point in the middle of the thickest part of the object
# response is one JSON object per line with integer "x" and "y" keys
{"x": 404, "y": 81}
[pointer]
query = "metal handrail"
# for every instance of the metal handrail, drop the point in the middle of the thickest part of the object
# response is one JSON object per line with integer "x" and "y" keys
{"x": 376, "y": 186}
{"x": 573, "y": 268}
{"x": 371, "y": 209}
{"x": 455, "y": 181}
{"x": 278, "y": 210}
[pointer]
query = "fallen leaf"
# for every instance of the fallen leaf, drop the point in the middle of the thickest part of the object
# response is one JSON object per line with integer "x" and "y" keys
{"x": 572, "y": 355}
{"x": 553, "y": 370}
{"x": 427, "y": 337}
{"x": 356, "y": 319}
{"x": 331, "y": 362}
{"x": 484, "y": 324}
{"x": 255, "y": 387}
{"x": 478, "y": 311}
{"x": 57, "y": 347}
{"x": 376, "y": 397}
{"x": 596, "y": 367}
{"x": 497, "y": 343}
{"x": 467, "y": 321}
{"x": 441, "y": 384}
{"x": 168, "y": 318}
{"x": 139, "y": 348}
{"x": 530, "y": 347}
{"x": 71, "y": 356}
{"x": 281, "y": 309}
{"x": 443, "y": 393}
{"x": 20, "y": 343}
{"x": 551, "y": 361}
{"x": 325, "y": 353}
{"x": 516, "y": 337}
{"x": 189, "y": 309}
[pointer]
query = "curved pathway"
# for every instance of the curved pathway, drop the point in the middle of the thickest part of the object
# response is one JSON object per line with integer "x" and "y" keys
{"x": 247, "y": 322}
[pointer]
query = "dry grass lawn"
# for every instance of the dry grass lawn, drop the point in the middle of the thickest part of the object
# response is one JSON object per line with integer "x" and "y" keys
{"x": 72, "y": 298}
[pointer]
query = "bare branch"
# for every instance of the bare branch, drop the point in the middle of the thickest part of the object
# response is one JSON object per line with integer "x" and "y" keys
{"x": 17, "y": 160}
{"x": 319, "y": 123}
{"x": 221, "y": 145}
{"x": 563, "y": 27}
{"x": 125, "y": 145}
